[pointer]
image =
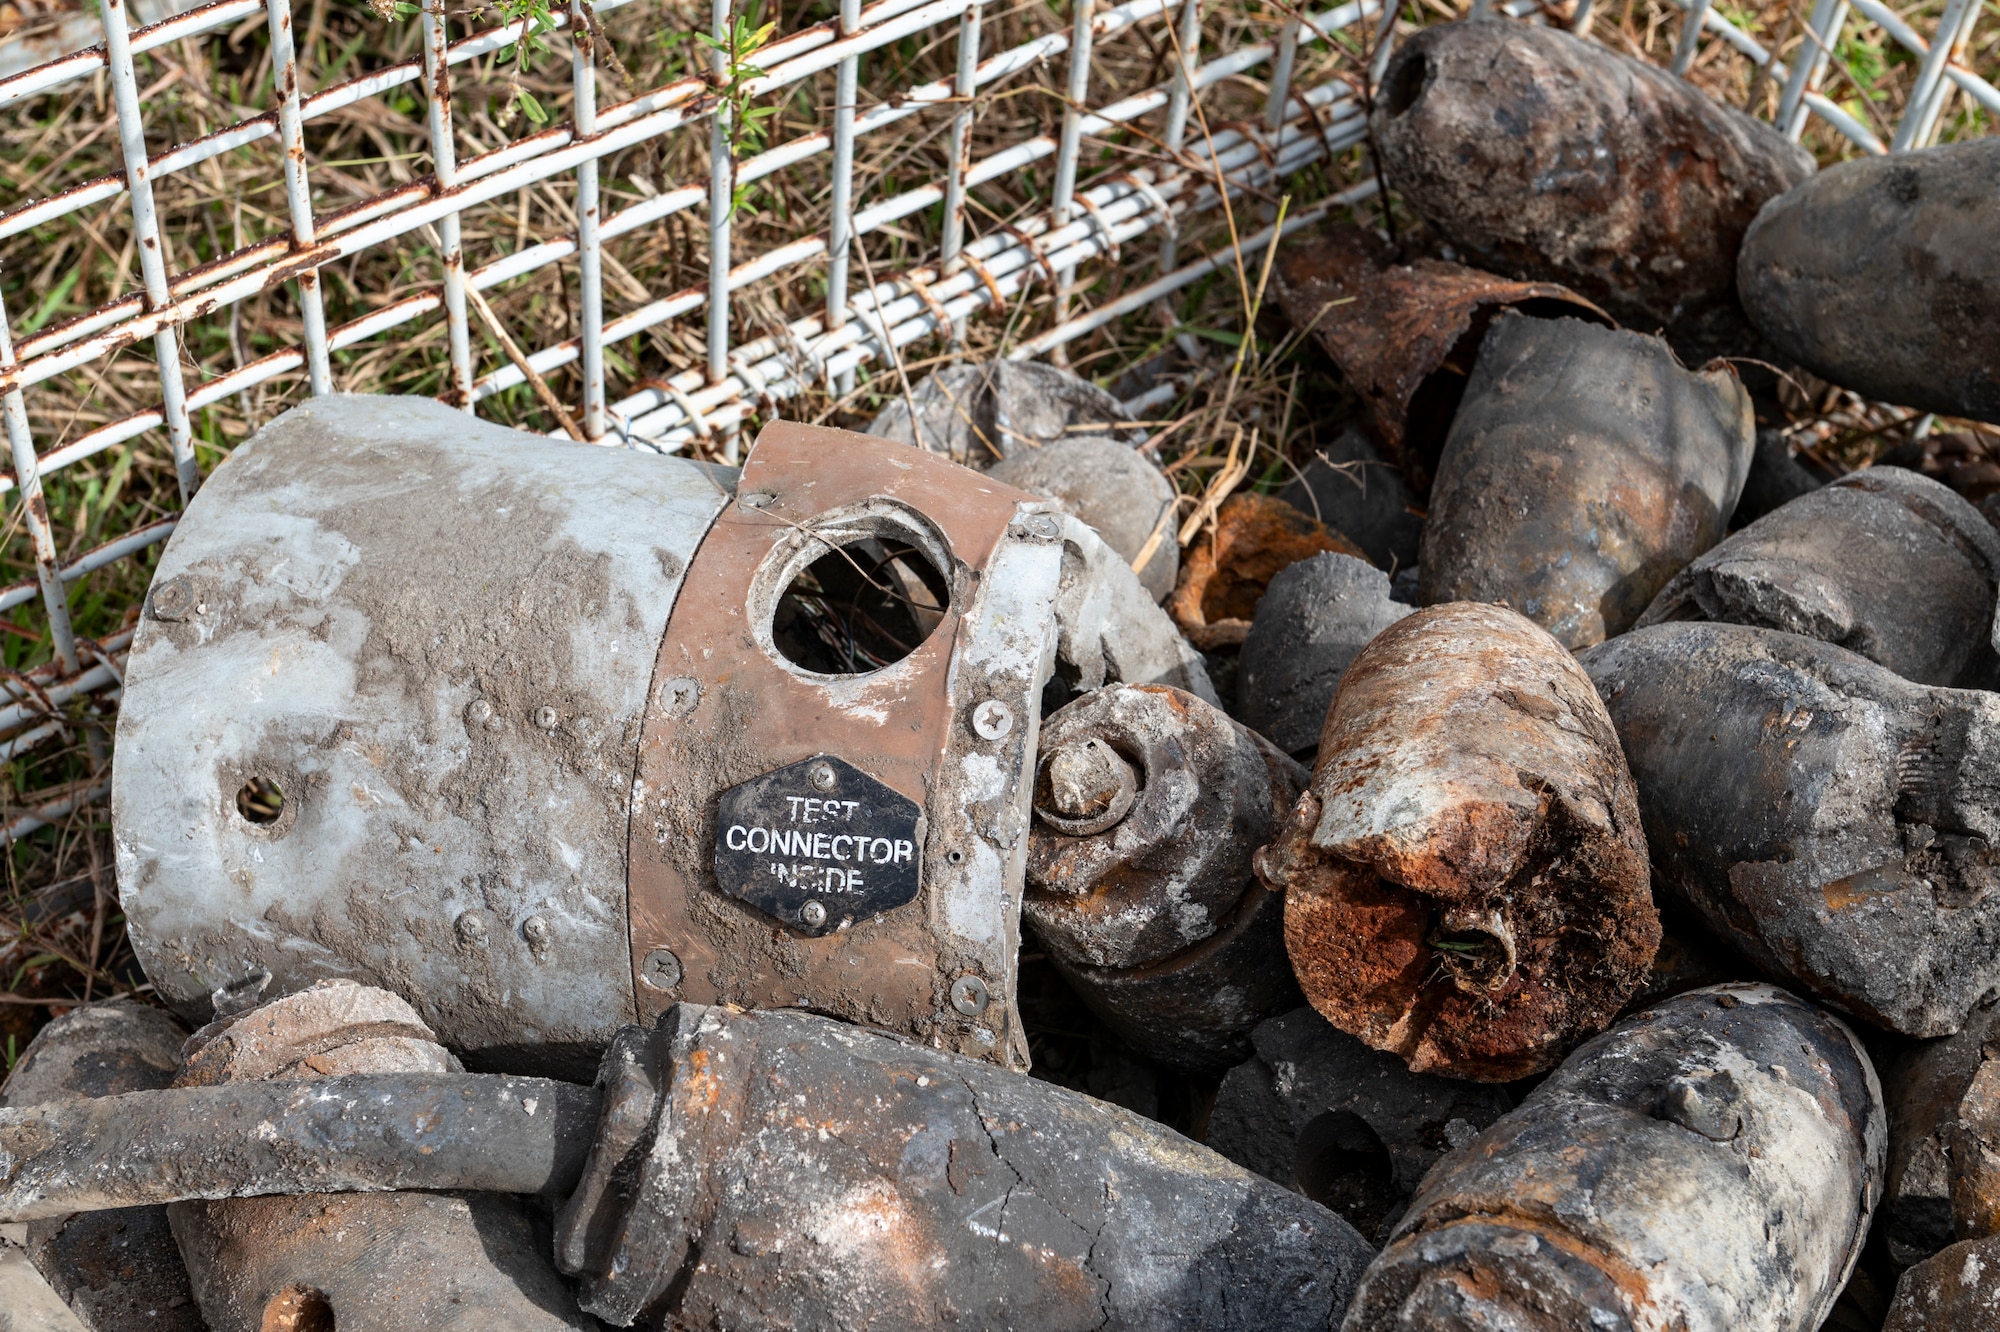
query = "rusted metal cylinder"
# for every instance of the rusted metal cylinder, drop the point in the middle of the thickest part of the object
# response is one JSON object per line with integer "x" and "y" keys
{"x": 1583, "y": 469}
{"x": 381, "y": 1261}
{"x": 1465, "y": 880}
{"x": 1318, "y": 1111}
{"x": 778, "y": 1169}
{"x": 1148, "y": 806}
{"x": 1881, "y": 275}
{"x": 352, "y": 1133}
{"x": 119, "y": 1268}
{"x": 1884, "y": 562}
{"x": 1540, "y": 155}
{"x": 1823, "y": 814}
{"x": 1709, "y": 1165}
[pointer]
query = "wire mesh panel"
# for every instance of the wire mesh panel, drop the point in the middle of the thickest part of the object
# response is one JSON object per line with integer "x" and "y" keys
{"x": 650, "y": 225}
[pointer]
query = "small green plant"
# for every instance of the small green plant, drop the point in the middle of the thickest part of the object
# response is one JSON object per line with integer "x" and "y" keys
{"x": 744, "y": 125}
{"x": 539, "y": 19}
{"x": 12, "y": 1056}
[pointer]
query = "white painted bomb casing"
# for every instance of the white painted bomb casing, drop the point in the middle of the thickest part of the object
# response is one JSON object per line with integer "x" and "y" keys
{"x": 440, "y": 707}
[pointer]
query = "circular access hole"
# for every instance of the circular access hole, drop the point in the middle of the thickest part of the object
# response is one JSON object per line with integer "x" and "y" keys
{"x": 1342, "y": 1165}
{"x": 298, "y": 1309}
{"x": 261, "y": 802}
{"x": 860, "y": 607}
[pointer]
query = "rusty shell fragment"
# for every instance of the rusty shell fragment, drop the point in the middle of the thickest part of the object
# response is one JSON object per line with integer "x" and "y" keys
{"x": 1827, "y": 817}
{"x": 1540, "y": 155}
{"x": 778, "y": 1170}
{"x": 1404, "y": 335}
{"x": 1148, "y": 805}
{"x": 1465, "y": 881}
{"x": 1708, "y": 1166}
{"x": 116, "y": 1269}
{"x": 1884, "y": 562}
{"x": 1585, "y": 467}
{"x": 1882, "y": 276}
{"x": 386, "y": 1262}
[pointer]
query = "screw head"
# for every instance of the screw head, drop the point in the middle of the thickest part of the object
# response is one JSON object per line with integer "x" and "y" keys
{"x": 546, "y": 717}
{"x": 823, "y": 777}
{"x": 478, "y": 712}
{"x": 661, "y": 970}
{"x": 756, "y": 499}
{"x": 679, "y": 695}
{"x": 969, "y": 996}
{"x": 812, "y": 915}
{"x": 471, "y": 928}
{"x": 992, "y": 720}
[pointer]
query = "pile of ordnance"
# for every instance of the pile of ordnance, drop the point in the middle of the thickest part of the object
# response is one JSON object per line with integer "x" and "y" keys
{"x": 601, "y": 882}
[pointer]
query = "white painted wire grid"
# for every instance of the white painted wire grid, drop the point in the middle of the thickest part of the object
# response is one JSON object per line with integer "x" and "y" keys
{"x": 1085, "y": 222}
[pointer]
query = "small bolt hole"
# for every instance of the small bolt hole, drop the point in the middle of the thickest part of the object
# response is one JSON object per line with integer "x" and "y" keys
{"x": 261, "y": 802}
{"x": 298, "y": 1309}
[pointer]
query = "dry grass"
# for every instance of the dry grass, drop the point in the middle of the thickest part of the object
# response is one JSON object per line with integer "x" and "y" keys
{"x": 1265, "y": 394}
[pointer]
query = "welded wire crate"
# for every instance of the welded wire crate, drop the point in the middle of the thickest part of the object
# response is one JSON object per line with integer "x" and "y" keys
{"x": 898, "y": 264}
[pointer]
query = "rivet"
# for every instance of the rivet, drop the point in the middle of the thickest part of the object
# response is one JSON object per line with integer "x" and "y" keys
{"x": 546, "y": 717}
{"x": 539, "y": 933}
{"x": 968, "y": 995}
{"x": 954, "y": 857}
{"x": 756, "y": 499}
{"x": 478, "y": 712}
{"x": 992, "y": 720}
{"x": 812, "y": 915}
{"x": 661, "y": 970}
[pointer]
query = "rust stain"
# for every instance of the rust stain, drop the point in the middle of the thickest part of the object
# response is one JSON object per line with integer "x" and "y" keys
{"x": 1255, "y": 538}
{"x": 1404, "y": 335}
{"x": 1486, "y": 923}
{"x": 732, "y": 953}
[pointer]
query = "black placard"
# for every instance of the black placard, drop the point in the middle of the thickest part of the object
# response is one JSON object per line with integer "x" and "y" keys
{"x": 818, "y": 836}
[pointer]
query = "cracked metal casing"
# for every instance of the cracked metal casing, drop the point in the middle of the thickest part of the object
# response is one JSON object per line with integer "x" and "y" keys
{"x": 780, "y": 1170}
